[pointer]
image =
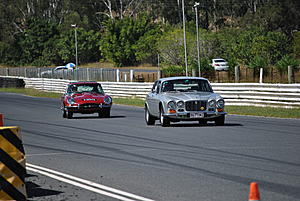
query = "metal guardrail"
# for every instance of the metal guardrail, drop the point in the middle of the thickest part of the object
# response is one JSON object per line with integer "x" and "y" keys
{"x": 252, "y": 94}
{"x": 96, "y": 74}
{"x": 238, "y": 94}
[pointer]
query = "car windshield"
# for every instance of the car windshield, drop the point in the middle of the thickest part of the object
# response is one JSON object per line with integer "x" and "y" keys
{"x": 185, "y": 85}
{"x": 80, "y": 88}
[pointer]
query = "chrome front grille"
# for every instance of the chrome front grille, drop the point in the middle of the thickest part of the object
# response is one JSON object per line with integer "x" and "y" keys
{"x": 89, "y": 105}
{"x": 195, "y": 105}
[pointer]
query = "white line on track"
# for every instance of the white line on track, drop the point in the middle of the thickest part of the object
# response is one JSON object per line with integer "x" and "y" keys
{"x": 88, "y": 185}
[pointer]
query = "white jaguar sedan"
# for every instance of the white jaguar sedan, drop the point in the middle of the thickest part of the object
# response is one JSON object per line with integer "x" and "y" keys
{"x": 176, "y": 99}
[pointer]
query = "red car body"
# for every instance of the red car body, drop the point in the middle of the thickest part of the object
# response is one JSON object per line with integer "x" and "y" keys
{"x": 85, "y": 98}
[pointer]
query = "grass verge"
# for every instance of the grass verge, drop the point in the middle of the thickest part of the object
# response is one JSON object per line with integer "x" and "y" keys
{"x": 241, "y": 110}
{"x": 264, "y": 111}
{"x": 31, "y": 92}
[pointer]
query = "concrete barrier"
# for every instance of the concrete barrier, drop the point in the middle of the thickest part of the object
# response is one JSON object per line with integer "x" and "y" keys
{"x": 11, "y": 82}
{"x": 12, "y": 165}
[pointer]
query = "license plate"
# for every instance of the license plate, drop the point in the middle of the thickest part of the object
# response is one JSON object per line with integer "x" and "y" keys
{"x": 196, "y": 115}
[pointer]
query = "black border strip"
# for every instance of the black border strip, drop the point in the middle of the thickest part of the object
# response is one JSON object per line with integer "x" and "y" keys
{"x": 13, "y": 165}
{"x": 11, "y": 190}
{"x": 13, "y": 139}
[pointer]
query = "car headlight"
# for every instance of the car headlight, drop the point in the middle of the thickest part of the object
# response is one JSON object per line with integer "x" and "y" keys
{"x": 71, "y": 101}
{"x": 107, "y": 100}
{"x": 220, "y": 103}
{"x": 212, "y": 103}
{"x": 172, "y": 105}
{"x": 180, "y": 104}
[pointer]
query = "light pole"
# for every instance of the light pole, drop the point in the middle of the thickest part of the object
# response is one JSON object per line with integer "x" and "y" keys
{"x": 184, "y": 38}
{"x": 197, "y": 28}
{"x": 76, "y": 52}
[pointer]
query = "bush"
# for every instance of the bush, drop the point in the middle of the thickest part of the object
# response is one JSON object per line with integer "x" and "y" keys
{"x": 173, "y": 70}
{"x": 286, "y": 61}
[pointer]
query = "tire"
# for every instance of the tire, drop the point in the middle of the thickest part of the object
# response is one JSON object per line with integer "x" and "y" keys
{"x": 202, "y": 122}
{"x": 150, "y": 120}
{"x": 220, "y": 121}
{"x": 164, "y": 121}
{"x": 104, "y": 113}
{"x": 64, "y": 113}
{"x": 69, "y": 114}
{"x": 107, "y": 113}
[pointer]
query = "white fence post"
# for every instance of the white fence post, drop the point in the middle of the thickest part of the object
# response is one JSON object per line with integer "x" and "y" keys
{"x": 131, "y": 75}
{"x": 237, "y": 74}
{"x": 118, "y": 75}
{"x": 261, "y": 71}
{"x": 291, "y": 76}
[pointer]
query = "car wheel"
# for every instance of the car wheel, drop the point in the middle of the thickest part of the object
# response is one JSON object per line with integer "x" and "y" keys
{"x": 164, "y": 121}
{"x": 202, "y": 122}
{"x": 220, "y": 121}
{"x": 107, "y": 113}
{"x": 150, "y": 120}
{"x": 69, "y": 114}
{"x": 64, "y": 113}
{"x": 104, "y": 113}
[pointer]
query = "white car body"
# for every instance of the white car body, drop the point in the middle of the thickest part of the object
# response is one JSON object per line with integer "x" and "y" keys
{"x": 220, "y": 64}
{"x": 176, "y": 99}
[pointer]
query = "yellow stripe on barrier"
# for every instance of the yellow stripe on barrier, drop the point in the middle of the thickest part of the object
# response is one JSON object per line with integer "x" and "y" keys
{"x": 12, "y": 165}
{"x": 4, "y": 196}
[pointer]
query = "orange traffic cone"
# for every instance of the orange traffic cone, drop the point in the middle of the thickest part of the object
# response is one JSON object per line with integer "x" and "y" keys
{"x": 1, "y": 120}
{"x": 254, "y": 192}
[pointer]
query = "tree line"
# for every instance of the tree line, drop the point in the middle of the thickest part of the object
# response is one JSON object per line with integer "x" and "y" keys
{"x": 252, "y": 33}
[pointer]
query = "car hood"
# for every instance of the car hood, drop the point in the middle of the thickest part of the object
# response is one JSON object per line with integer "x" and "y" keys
{"x": 187, "y": 96}
{"x": 88, "y": 97}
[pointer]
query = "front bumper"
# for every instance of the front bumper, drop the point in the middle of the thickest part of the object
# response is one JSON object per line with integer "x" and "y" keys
{"x": 87, "y": 108}
{"x": 194, "y": 115}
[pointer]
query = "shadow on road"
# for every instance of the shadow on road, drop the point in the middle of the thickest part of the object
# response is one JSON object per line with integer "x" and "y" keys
{"x": 207, "y": 125}
{"x": 96, "y": 117}
{"x": 34, "y": 190}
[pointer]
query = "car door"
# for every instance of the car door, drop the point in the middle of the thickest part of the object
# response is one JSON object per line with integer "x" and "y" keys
{"x": 153, "y": 99}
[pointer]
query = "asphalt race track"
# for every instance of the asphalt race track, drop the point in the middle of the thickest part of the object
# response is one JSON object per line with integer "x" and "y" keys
{"x": 184, "y": 162}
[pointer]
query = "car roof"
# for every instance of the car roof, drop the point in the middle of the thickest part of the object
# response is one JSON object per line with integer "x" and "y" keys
{"x": 84, "y": 82}
{"x": 181, "y": 78}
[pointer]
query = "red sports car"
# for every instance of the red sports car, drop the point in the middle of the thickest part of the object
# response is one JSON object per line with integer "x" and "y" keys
{"x": 85, "y": 98}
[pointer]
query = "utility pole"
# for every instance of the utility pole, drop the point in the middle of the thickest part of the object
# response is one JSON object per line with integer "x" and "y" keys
{"x": 197, "y": 29}
{"x": 184, "y": 38}
{"x": 158, "y": 67}
{"x": 76, "y": 52}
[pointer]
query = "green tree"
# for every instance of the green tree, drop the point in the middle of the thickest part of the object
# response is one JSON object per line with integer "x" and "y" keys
{"x": 35, "y": 39}
{"x": 259, "y": 43}
{"x": 88, "y": 43}
{"x": 296, "y": 45}
{"x": 124, "y": 40}
{"x": 171, "y": 47}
